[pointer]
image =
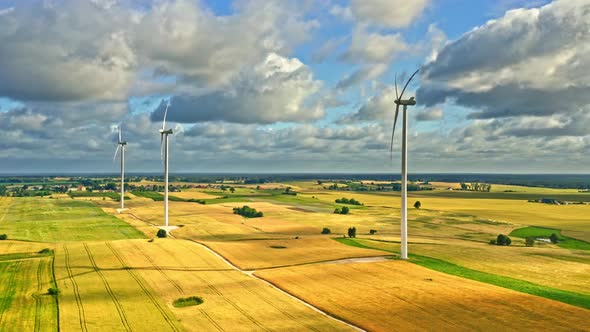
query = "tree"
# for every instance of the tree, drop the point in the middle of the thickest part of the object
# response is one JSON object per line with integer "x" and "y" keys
{"x": 3, "y": 236}
{"x": 554, "y": 238}
{"x": 232, "y": 189}
{"x": 337, "y": 210}
{"x": 372, "y": 231}
{"x": 529, "y": 241}
{"x": 161, "y": 233}
{"x": 503, "y": 240}
{"x": 345, "y": 210}
{"x": 326, "y": 231}
{"x": 417, "y": 205}
{"x": 352, "y": 232}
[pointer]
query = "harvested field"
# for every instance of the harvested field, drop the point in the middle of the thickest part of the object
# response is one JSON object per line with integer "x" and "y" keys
{"x": 397, "y": 295}
{"x": 260, "y": 254}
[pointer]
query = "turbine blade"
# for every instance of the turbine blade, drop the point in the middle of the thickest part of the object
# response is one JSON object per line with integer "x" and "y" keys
{"x": 396, "y": 94}
{"x": 165, "y": 113}
{"x": 408, "y": 82}
{"x": 393, "y": 131}
{"x": 120, "y": 134}
{"x": 116, "y": 151}
{"x": 161, "y": 147}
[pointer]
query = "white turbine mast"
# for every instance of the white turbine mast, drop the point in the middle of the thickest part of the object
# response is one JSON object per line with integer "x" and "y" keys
{"x": 121, "y": 144}
{"x": 404, "y": 208}
{"x": 164, "y": 156}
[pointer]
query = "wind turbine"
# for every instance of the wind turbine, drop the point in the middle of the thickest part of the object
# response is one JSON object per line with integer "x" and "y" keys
{"x": 164, "y": 145}
{"x": 121, "y": 144}
{"x": 404, "y": 209}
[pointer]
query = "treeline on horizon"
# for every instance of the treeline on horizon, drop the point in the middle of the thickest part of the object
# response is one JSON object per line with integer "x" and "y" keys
{"x": 577, "y": 181}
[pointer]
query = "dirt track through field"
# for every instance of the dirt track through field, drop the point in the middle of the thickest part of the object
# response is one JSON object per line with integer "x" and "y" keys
{"x": 250, "y": 273}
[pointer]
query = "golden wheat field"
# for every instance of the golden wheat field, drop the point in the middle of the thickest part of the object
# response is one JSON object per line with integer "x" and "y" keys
{"x": 260, "y": 254}
{"x": 396, "y": 295}
{"x": 233, "y": 301}
{"x": 546, "y": 265}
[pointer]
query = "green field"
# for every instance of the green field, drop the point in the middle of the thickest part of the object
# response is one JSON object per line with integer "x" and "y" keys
{"x": 52, "y": 220}
{"x": 541, "y": 232}
{"x": 24, "y": 302}
{"x": 112, "y": 195}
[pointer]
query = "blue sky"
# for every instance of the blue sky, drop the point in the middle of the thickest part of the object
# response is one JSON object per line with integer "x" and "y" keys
{"x": 294, "y": 86}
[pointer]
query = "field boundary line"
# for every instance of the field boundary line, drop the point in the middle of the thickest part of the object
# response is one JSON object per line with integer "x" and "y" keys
{"x": 109, "y": 290}
{"x": 231, "y": 303}
{"x": 54, "y": 283}
{"x": 144, "y": 288}
{"x": 307, "y": 304}
{"x": 79, "y": 304}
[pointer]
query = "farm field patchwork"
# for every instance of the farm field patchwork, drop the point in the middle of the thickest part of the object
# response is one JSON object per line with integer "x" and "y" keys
{"x": 547, "y": 266}
{"x": 138, "y": 281}
{"x": 372, "y": 294}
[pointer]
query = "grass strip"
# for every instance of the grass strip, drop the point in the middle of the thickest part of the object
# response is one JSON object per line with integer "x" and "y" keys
{"x": 573, "y": 298}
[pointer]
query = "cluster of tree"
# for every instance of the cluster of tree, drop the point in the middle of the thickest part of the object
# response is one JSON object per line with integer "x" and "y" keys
{"x": 351, "y": 201}
{"x": 501, "y": 240}
{"x": 476, "y": 186}
{"x": 411, "y": 187}
{"x": 352, "y": 232}
{"x": 289, "y": 191}
{"x": 342, "y": 210}
{"x": 248, "y": 212}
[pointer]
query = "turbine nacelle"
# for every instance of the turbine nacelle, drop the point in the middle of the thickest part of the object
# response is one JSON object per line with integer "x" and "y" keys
{"x": 406, "y": 102}
{"x": 166, "y": 132}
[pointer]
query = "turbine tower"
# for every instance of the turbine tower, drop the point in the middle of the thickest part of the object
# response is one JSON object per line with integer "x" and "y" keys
{"x": 404, "y": 208}
{"x": 164, "y": 145}
{"x": 121, "y": 144}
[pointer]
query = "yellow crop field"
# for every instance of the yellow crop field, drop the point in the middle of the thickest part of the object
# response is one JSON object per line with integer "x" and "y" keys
{"x": 232, "y": 299}
{"x": 98, "y": 292}
{"x": 24, "y": 302}
{"x": 257, "y": 254}
{"x": 548, "y": 266}
{"x": 399, "y": 296}
{"x": 518, "y": 212}
{"x": 11, "y": 247}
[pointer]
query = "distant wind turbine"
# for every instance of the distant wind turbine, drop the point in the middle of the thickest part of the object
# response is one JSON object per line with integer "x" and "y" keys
{"x": 121, "y": 144}
{"x": 404, "y": 209}
{"x": 164, "y": 156}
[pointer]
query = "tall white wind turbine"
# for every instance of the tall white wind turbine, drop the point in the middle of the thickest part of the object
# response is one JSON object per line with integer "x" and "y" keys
{"x": 121, "y": 144}
{"x": 164, "y": 145}
{"x": 404, "y": 208}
